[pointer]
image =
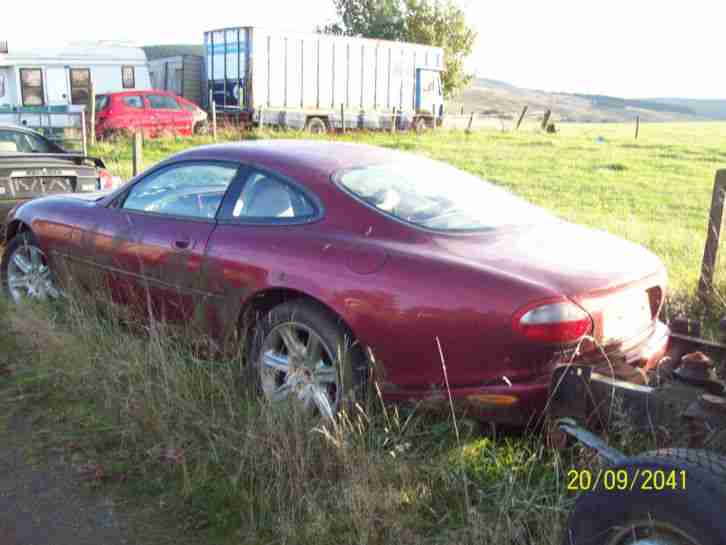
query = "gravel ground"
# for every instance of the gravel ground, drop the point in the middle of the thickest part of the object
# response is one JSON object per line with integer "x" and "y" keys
{"x": 45, "y": 502}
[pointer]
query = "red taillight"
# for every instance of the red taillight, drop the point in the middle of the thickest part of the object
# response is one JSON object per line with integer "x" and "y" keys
{"x": 105, "y": 180}
{"x": 553, "y": 321}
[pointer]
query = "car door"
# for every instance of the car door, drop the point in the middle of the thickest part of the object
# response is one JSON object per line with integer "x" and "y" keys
{"x": 262, "y": 232}
{"x": 134, "y": 113}
{"x": 152, "y": 241}
{"x": 166, "y": 110}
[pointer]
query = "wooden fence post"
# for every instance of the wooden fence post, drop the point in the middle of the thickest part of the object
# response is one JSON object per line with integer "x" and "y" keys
{"x": 471, "y": 120}
{"x": 710, "y": 252}
{"x": 342, "y": 118}
{"x": 546, "y": 119}
{"x": 637, "y": 126}
{"x": 84, "y": 140}
{"x": 92, "y": 116}
{"x": 214, "y": 121}
{"x": 137, "y": 152}
{"x": 521, "y": 117}
{"x": 462, "y": 110}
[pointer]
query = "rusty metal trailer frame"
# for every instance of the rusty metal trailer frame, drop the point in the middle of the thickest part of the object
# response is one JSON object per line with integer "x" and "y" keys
{"x": 582, "y": 399}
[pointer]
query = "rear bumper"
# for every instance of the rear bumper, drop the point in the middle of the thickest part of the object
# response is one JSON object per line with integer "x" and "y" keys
{"x": 523, "y": 403}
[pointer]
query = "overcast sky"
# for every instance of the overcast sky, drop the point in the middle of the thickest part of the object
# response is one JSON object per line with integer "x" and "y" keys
{"x": 630, "y": 48}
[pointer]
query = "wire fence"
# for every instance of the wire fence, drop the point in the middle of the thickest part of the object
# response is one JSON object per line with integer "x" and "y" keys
{"x": 395, "y": 120}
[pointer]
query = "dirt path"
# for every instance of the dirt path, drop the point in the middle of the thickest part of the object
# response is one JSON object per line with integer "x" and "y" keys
{"x": 44, "y": 501}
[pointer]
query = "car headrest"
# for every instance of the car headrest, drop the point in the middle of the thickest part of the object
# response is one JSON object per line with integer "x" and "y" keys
{"x": 269, "y": 199}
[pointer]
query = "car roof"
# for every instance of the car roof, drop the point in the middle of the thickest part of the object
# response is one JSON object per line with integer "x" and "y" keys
{"x": 292, "y": 157}
{"x": 19, "y": 128}
{"x": 128, "y": 92}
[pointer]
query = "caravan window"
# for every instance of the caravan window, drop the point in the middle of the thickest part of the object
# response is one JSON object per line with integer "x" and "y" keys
{"x": 127, "y": 77}
{"x": 80, "y": 85}
{"x": 31, "y": 86}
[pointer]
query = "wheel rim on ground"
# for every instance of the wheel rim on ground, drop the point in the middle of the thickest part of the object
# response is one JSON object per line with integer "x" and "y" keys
{"x": 295, "y": 363}
{"x": 652, "y": 532}
{"x": 28, "y": 274}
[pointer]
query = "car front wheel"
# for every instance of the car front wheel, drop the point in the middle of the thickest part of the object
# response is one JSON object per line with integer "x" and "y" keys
{"x": 25, "y": 270}
{"x": 303, "y": 353}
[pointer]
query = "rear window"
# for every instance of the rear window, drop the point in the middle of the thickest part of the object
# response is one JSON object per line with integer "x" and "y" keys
{"x": 189, "y": 107}
{"x": 22, "y": 142}
{"x": 437, "y": 196}
{"x": 163, "y": 102}
{"x": 133, "y": 101}
{"x": 102, "y": 102}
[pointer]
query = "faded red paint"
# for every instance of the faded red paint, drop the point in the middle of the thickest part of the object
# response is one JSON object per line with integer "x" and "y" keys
{"x": 397, "y": 287}
{"x": 119, "y": 117}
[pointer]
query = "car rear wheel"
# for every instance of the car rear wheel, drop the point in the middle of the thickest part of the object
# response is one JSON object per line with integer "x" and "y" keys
{"x": 26, "y": 272}
{"x": 671, "y": 497}
{"x": 303, "y": 353}
{"x": 201, "y": 128}
{"x": 421, "y": 124}
{"x": 316, "y": 125}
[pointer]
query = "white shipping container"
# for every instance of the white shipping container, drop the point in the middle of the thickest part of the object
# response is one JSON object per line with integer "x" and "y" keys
{"x": 292, "y": 77}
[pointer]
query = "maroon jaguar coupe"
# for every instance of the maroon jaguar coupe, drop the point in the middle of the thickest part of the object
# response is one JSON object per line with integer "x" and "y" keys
{"x": 353, "y": 257}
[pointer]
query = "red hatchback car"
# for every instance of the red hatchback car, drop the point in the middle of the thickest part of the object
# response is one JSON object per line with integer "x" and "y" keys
{"x": 338, "y": 244}
{"x": 154, "y": 112}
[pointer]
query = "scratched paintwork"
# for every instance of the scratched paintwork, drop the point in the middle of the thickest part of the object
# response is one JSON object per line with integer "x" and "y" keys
{"x": 397, "y": 288}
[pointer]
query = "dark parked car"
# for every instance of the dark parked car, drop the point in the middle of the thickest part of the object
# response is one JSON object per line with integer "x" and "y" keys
{"x": 33, "y": 166}
{"x": 337, "y": 242}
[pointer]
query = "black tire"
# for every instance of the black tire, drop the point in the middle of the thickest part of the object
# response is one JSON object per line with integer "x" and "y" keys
{"x": 201, "y": 128}
{"x": 16, "y": 241}
{"x": 696, "y": 510}
{"x": 316, "y": 125}
{"x": 352, "y": 364}
{"x": 420, "y": 125}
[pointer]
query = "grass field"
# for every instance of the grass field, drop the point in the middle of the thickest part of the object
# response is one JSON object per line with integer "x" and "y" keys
{"x": 186, "y": 435}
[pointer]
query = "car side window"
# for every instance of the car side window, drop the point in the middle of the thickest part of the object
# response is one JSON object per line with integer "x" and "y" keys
{"x": 163, "y": 102}
{"x": 134, "y": 101}
{"x": 190, "y": 190}
{"x": 266, "y": 197}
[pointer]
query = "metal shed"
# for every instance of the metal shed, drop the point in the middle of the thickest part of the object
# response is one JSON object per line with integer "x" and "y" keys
{"x": 181, "y": 74}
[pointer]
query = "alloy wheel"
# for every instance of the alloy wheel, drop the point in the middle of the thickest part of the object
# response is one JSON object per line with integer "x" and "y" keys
{"x": 28, "y": 274}
{"x": 295, "y": 363}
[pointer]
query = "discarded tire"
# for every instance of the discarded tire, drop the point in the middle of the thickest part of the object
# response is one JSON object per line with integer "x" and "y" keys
{"x": 672, "y": 496}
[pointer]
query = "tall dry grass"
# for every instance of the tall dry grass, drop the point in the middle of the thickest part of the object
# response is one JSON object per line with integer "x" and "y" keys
{"x": 194, "y": 433}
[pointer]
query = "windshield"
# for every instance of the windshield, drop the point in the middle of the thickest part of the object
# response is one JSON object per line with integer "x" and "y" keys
{"x": 438, "y": 196}
{"x": 101, "y": 102}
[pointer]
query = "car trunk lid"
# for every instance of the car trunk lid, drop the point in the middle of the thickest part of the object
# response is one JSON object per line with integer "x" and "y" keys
{"x": 26, "y": 176}
{"x": 619, "y": 283}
